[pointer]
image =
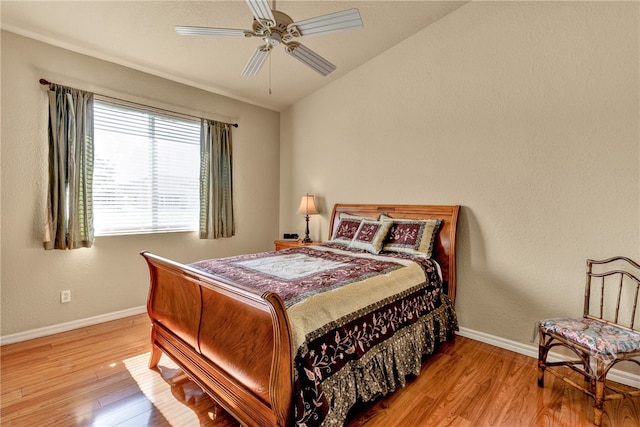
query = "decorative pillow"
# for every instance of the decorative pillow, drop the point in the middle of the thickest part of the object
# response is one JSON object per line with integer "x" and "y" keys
{"x": 347, "y": 227}
{"x": 350, "y": 216}
{"x": 412, "y": 236}
{"x": 370, "y": 235}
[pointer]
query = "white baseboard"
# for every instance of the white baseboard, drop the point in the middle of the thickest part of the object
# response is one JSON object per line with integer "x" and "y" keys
{"x": 527, "y": 350}
{"x": 616, "y": 375}
{"x": 68, "y": 326}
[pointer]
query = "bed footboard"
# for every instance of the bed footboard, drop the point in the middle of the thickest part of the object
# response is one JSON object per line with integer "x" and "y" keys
{"x": 232, "y": 342}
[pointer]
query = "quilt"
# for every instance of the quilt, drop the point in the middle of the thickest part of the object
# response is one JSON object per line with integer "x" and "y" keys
{"x": 361, "y": 322}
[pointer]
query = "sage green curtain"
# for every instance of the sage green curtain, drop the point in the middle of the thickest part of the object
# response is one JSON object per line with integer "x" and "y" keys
{"x": 69, "y": 220}
{"x": 216, "y": 190}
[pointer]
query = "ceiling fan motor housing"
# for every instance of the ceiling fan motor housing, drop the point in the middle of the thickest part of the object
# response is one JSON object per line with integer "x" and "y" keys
{"x": 268, "y": 30}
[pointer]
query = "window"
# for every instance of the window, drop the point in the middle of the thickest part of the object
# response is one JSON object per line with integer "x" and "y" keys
{"x": 146, "y": 170}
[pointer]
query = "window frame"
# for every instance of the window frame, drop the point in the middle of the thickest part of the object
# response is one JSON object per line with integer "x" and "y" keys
{"x": 151, "y": 227}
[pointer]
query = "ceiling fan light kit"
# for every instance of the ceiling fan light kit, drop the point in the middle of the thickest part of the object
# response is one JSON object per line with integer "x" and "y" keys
{"x": 276, "y": 28}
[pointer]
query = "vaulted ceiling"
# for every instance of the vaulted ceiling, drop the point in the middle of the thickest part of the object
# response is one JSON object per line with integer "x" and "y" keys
{"x": 141, "y": 35}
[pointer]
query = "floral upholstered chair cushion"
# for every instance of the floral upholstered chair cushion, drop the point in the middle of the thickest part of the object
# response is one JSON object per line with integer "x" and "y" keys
{"x": 598, "y": 337}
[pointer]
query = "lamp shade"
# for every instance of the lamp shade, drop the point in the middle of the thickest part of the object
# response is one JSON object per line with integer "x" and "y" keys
{"x": 307, "y": 205}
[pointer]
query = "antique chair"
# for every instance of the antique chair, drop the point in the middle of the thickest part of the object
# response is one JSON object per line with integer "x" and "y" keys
{"x": 603, "y": 337}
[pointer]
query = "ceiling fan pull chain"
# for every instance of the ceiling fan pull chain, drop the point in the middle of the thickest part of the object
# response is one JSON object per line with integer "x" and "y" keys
{"x": 270, "y": 72}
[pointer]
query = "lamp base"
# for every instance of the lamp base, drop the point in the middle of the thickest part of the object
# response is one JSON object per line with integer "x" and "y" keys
{"x": 306, "y": 231}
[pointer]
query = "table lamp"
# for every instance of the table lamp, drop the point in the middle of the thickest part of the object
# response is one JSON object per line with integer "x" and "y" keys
{"x": 307, "y": 207}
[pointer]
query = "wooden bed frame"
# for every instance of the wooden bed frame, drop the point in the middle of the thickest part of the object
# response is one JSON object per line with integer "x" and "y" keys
{"x": 203, "y": 323}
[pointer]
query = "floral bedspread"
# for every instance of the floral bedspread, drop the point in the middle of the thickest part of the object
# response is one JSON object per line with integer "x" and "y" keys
{"x": 360, "y": 322}
{"x": 297, "y": 273}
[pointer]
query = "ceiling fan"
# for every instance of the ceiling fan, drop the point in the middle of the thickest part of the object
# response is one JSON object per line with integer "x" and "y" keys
{"x": 276, "y": 28}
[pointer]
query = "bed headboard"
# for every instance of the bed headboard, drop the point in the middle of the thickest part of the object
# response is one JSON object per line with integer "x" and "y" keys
{"x": 445, "y": 245}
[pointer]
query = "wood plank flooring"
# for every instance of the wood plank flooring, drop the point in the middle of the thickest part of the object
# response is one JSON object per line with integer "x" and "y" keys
{"x": 98, "y": 376}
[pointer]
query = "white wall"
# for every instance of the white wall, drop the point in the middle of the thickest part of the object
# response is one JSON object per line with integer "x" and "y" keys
{"x": 111, "y": 276}
{"x": 525, "y": 113}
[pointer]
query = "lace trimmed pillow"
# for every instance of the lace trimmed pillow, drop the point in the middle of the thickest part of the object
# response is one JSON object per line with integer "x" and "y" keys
{"x": 347, "y": 228}
{"x": 370, "y": 236}
{"x": 411, "y": 236}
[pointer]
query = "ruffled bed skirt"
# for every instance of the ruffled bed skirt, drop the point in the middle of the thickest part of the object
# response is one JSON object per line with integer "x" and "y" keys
{"x": 384, "y": 368}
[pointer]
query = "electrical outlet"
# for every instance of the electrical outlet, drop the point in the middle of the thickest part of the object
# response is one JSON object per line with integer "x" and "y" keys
{"x": 65, "y": 296}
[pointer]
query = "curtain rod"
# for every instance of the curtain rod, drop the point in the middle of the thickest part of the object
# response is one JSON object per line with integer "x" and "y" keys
{"x": 45, "y": 82}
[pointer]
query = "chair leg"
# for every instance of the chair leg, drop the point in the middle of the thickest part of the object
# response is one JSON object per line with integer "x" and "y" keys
{"x": 599, "y": 402}
{"x": 543, "y": 350}
{"x": 588, "y": 368}
{"x": 541, "y": 368}
{"x": 600, "y": 378}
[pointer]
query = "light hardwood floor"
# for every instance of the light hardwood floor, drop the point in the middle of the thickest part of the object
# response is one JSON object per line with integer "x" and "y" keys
{"x": 98, "y": 376}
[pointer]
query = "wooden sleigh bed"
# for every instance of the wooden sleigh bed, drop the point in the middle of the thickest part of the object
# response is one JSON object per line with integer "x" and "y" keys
{"x": 239, "y": 344}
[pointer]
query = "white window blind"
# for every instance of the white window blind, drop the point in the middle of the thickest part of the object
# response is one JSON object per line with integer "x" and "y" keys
{"x": 146, "y": 170}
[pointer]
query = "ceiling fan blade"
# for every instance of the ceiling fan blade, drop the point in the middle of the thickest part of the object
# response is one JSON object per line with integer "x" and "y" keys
{"x": 208, "y": 31}
{"x": 257, "y": 59}
{"x": 310, "y": 58}
{"x": 325, "y": 24}
{"x": 261, "y": 10}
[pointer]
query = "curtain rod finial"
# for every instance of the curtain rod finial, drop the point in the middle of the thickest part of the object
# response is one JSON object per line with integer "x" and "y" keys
{"x": 44, "y": 82}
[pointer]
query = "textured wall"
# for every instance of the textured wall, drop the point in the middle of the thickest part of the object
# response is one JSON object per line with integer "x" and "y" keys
{"x": 525, "y": 113}
{"x": 111, "y": 276}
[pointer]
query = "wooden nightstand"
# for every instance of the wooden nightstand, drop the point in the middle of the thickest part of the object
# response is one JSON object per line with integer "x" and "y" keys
{"x": 286, "y": 244}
